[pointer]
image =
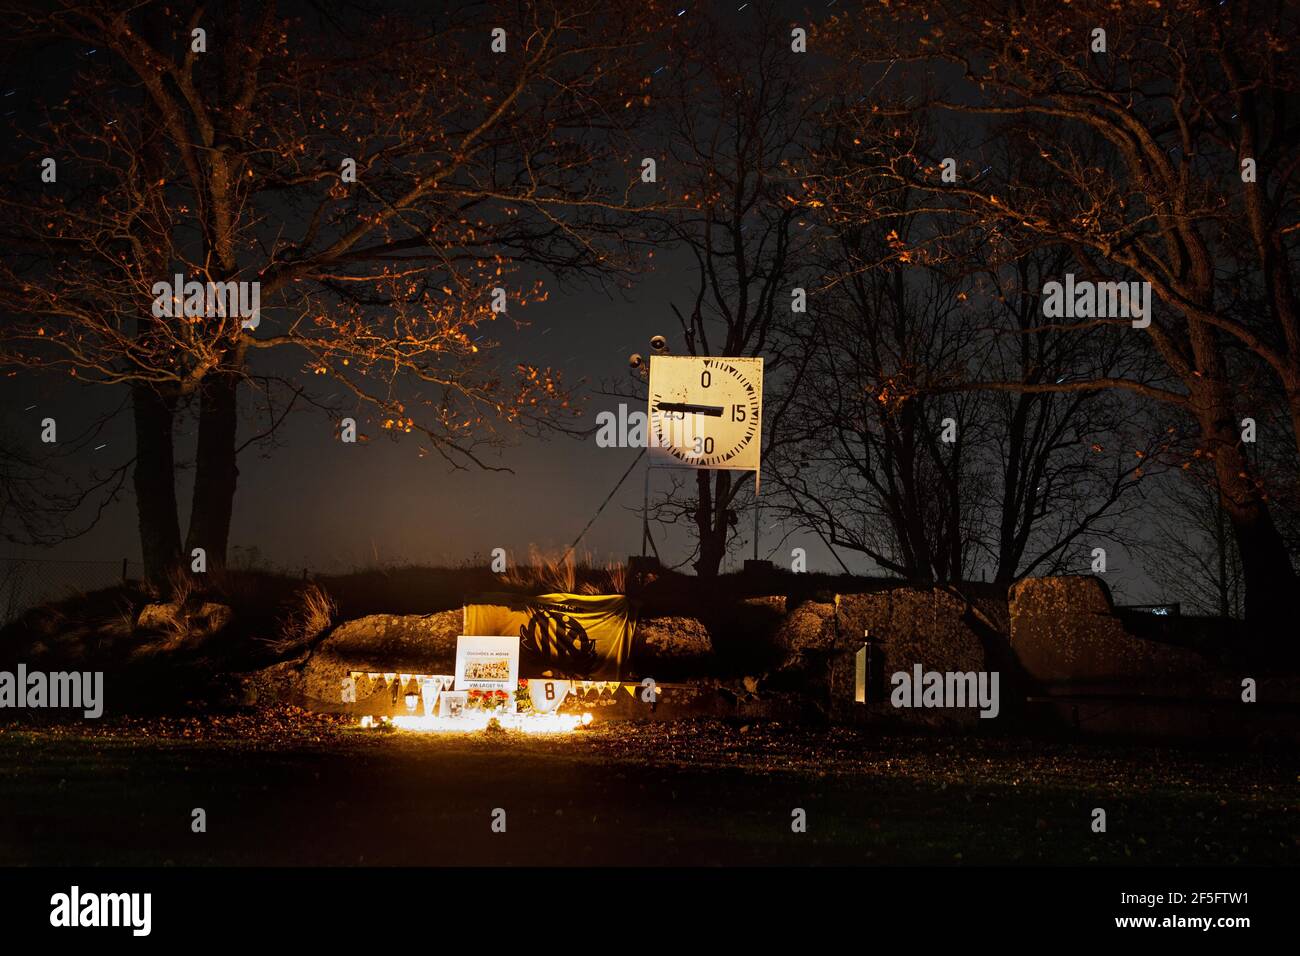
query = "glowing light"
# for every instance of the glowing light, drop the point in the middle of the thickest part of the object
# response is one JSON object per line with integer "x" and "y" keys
{"x": 474, "y": 722}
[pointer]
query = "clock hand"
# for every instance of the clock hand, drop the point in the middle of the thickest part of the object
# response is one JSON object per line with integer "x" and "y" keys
{"x": 712, "y": 410}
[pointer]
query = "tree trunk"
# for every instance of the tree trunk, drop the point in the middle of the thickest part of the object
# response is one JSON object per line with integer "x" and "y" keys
{"x": 155, "y": 487}
{"x": 1221, "y": 547}
{"x": 1265, "y": 565}
{"x": 1265, "y": 562}
{"x": 215, "y": 472}
{"x": 711, "y": 521}
{"x": 1292, "y": 386}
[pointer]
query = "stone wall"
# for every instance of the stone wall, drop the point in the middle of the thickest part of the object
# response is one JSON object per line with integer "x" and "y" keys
{"x": 670, "y": 647}
{"x": 411, "y": 643}
{"x": 1066, "y": 635}
{"x": 1057, "y": 640}
{"x": 930, "y": 627}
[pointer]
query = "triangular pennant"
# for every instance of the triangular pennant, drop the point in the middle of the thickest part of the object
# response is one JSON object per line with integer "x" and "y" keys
{"x": 430, "y": 688}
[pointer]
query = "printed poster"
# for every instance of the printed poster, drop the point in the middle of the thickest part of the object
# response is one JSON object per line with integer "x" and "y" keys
{"x": 487, "y": 663}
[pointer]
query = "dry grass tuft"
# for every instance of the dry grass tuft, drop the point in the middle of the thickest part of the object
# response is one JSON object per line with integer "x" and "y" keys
{"x": 311, "y": 613}
{"x": 181, "y": 586}
{"x": 611, "y": 579}
{"x": 545, "y": 573}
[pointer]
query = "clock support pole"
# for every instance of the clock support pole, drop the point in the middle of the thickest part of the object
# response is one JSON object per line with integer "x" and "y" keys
{"x": 645, "y": 517}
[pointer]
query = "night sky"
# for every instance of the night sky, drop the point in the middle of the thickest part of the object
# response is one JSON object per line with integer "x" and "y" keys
{"x": 315, "y": 503}
{"x": 318, "y": 504}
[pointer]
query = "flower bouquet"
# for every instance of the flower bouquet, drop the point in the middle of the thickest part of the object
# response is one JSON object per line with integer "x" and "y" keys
{"x": 492, "y": 701}
{"x": 523, "y": 699}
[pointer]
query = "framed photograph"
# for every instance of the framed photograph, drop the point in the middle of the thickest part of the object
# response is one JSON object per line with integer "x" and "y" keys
{"x": 451, "y": 703}
{"x": 487, "y": 663}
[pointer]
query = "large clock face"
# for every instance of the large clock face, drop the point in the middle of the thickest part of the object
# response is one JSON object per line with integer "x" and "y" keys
{"x": 707, "y": 412}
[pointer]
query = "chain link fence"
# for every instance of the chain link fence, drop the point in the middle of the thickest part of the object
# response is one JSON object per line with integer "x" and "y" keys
{"x": 29, "y": 582}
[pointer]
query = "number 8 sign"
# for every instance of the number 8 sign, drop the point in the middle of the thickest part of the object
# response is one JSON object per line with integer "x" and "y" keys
{"x": 547, "y": 694}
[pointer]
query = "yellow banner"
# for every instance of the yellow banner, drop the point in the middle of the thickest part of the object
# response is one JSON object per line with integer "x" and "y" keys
{"x": 578, "y": 636}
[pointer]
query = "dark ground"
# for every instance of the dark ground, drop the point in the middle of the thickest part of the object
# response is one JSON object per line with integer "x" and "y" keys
{"x": 292, "y": 788}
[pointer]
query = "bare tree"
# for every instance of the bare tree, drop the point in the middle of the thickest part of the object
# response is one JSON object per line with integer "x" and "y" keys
{"x": 887, "y": 455}
{"x": 1168, "y": 157}
{"x": 219, "y": 143}
{"x": 738, "y": 122}
{"x": 45, "y": 498}
{"x": 942, "y": 486}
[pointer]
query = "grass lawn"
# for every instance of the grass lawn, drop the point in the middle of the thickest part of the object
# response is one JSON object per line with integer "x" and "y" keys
{"x": 291, "y": 788}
